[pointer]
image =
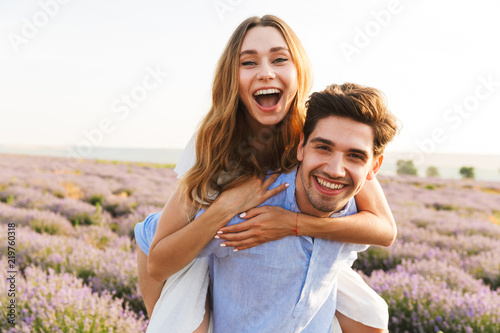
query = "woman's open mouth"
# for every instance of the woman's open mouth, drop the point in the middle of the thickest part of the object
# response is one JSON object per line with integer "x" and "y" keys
{"x": 268, "y": 99}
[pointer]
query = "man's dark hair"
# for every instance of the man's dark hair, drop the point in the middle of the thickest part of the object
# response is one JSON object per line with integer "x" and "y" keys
{"x": 364, "y": 104}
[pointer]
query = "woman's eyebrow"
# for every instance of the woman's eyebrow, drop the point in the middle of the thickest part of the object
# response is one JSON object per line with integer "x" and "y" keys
{"x": 279, "y": 48}
{"x": 248, "y": 52}
{"x": 272, "y": 50}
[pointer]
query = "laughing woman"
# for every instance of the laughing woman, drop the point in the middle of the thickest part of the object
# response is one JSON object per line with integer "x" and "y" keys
{"x": 260, "y": 87}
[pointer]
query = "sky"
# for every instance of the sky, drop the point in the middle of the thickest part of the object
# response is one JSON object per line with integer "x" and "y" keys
{"x": 138, "y": 74}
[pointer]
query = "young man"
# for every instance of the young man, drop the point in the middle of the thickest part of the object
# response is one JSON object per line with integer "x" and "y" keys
{"x": 289, "y": 285}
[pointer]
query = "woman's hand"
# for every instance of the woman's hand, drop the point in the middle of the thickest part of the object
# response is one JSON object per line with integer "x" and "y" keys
{"x": 249, "y": 194}
{"x": 264, "y": 224}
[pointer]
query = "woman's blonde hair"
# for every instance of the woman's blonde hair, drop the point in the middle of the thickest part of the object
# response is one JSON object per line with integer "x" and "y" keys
{"x": 225, "y": 154}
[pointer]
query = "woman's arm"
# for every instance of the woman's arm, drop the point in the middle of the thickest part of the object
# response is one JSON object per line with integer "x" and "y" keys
{"x": 149, "y": 287}
{"x": 177, "y": 242}
{"x": 374, "y": 224}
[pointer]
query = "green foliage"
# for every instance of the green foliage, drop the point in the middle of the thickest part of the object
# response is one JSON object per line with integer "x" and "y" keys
{"x": 406, "y": 167}
{"x": 467, "y": 172}
{"x": 96, "y": 199}
{"x": 8, "y": 199}
{"x": 375, "y": 258}
{"x": 43, "y": 227}
{"x": 432, "y": 171}
{"x": 81, "y": 219}
{"x": 440, "y": 206}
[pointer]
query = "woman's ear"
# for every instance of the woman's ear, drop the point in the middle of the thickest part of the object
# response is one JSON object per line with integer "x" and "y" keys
{"x": 377, "y": 163}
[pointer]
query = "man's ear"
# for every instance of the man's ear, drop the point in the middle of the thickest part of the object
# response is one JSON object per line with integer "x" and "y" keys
{"x": 300, "y": 148}
{"x": 375, "y": 168}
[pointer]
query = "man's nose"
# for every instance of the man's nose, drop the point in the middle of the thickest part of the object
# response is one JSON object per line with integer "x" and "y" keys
{"x": 335, "y": 167}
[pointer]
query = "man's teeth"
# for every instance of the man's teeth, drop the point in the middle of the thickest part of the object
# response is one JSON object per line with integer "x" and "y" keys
{"x": 329, "y": 185}
{"x": 267, "y": 92}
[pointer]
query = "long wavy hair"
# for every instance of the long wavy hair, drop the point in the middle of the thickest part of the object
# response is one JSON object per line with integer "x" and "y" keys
{"x": 225, "y": 154}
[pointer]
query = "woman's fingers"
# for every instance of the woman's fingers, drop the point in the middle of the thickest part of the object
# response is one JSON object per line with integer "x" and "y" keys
{"x": 238, "y": 236}
{"x": 243, "y": 240}
{"x": 246, "y": 244}
{"x": 239, "y": 227}
{"x": 276, "y": 190}
{"x": 253, "y": 212}
{"x": 271, "y": 179}
{"x": 265, "y": 224}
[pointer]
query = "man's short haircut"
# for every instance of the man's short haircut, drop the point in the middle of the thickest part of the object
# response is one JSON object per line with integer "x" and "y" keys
{"x": 364, "y": 104}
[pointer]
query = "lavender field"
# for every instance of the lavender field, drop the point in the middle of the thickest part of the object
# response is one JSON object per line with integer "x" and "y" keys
{"x": 69, "y": 261}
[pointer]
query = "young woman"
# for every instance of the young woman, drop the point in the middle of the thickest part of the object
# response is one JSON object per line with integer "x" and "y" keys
{"x": 260, "y": 87}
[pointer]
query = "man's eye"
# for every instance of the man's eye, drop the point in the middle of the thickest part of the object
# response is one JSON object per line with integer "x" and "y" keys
{"x": 323, "y": 147}
{"x": 357, "y": 156}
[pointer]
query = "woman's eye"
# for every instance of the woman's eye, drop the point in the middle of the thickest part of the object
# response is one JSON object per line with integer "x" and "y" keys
{"x": 248, "y": 63}
{"x": 278, "y": 60}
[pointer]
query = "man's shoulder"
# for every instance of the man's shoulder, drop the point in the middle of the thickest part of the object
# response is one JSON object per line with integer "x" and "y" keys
{"x": 286, "y": 198}
{"x": 284, "y": 177}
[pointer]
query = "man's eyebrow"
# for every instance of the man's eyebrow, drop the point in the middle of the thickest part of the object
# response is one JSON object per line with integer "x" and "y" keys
{"x": 359, "y": 152}
{"x": 331, "y": 143}
{"x": 323, "y": 140}
{"x": 272, "y": 50}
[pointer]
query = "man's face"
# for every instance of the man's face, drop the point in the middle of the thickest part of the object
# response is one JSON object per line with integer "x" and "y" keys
{"x": 335, "y": 161}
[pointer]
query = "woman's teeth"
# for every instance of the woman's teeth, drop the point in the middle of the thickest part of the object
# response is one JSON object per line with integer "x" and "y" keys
{"x": 266, "y": 92}
{"x": 267, "y": 98}
{"x": 331, "y": 186}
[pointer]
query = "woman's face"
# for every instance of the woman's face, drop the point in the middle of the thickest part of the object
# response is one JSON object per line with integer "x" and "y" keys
{"x": 267, "y": 77}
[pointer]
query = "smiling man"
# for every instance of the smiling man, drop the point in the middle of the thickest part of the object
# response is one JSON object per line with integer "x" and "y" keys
{"x": 289, "y": 285}
{"x": 341, "y": 146}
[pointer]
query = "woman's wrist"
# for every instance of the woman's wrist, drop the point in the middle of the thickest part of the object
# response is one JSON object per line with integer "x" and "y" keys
{"x": 292, "y": 222}
{"x": 223, "y": 211}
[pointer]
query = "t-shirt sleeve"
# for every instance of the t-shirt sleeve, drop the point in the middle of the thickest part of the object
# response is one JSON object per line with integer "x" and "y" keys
{"x": 188, "y": 157}
{"x": 145, "y": 231}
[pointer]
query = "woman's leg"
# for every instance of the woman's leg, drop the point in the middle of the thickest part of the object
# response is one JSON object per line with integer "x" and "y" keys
{"x": 149, "y": 287}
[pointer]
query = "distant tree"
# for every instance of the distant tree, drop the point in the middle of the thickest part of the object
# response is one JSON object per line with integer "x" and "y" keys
{"x": 406, "y": 167}
{"x": 432, "y": 171}
{"x": 467, "y": 172}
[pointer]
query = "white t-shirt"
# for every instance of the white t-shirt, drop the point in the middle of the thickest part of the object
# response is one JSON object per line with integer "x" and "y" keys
{"x": 188, "y": 157}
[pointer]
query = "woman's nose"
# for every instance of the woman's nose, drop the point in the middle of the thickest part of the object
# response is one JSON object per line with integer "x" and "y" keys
{"x": 266, "y": 72}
